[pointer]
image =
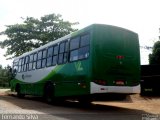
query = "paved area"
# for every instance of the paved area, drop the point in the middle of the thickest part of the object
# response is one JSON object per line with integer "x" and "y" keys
{"x": 134, "y": 107}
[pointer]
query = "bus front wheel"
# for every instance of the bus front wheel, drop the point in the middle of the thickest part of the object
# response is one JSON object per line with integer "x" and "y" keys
{"x": 18, "y": 90}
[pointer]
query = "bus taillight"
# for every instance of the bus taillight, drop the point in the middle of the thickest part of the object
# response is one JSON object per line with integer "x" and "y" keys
{"x": 101, "y": 82}
{"x": 120, "y": 57}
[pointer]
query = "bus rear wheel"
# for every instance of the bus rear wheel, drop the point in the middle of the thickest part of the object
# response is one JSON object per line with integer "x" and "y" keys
{"x": 18, "y": 90}
{"x": 85, "y": 100}
{"x": 49, "y": 93}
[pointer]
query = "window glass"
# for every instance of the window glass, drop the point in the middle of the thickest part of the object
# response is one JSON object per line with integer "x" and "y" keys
{"x": 15, "y": 63}
{"x": 34, "y": 65}
{"x": 27, "y": 59}
{"x": 30, "y": 66}
{"x": 54, "y": 62}
{"x": 50, "y": 52}
{"x": 39, "y": 55}
{"x": 79, "y": 48}
{"x": 31, "y": 58}
{"x": 84, "y": 40}
{"x": 15, "y": 67}
{"x": 24, "y": 67}
{"x": 65, "y": 57}
{"x": 55, "y": 50}
{"x": 74, "y": 55}
{"x": 62, "y": 47}
{"x": 60, "y": 58}
{"x": 39, "y": 64}
{"x": 83, "y": 52}
{"x": 19, "y": 69}
{"x": 35, "y": 57}
{"x": 44, "y": 53}
{"x": 49, "y": 61}
{"x": 74, "y": 43}
{"x": 66, "y": 46}
{"x": 22, "y": 61}
{"x": 43, "y": 63}
{"x": 27, "y": 67}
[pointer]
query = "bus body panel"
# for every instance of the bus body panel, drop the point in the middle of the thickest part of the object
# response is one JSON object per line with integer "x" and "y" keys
{"x": 116, "y": 58}
{"x": 72, "y": 78}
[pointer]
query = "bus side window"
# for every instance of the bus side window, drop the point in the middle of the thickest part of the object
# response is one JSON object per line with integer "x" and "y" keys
{"x": 73, "y": 55}
{"x": 34, "y": 61}
{"x": 74, "y": 43}
{"x": 26, "y": 63}
{"x": 49, "y": 56}
{"x": 30, "y": 62}
{"x": 65, "y": 59}
{"x": 84, "y": 40}
{"x": 15, "y": 67}
{"x": 55, "y": 54}
{"x": 22, "y": 64}
{"x": 74, "y": 46}
{"x": 63, "y": 49}
{"x": 79, "y": 48}
{"x": 84, "y": 47}
{"x": 39, "y": 61}
{"x": 19, "y": 65}
{"x": 44, "y": 54}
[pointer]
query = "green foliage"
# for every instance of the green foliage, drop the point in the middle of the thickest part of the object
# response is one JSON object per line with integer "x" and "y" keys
{"x": 0, "y": 67}
{"x": 5, "y": 76}
{"x": 154, "y": 58}
{"x": 33, "y": 33}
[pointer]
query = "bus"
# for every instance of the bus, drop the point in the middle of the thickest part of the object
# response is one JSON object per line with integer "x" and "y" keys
{"x": 96, "y": 60}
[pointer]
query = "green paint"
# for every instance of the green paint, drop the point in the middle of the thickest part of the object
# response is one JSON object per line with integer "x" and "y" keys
{"x": 106, "y": 43}
{"x": 110, "y": 42}
{"x": 78, "y": 66}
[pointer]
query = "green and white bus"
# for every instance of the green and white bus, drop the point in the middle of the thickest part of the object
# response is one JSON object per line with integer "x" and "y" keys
{"x": 99, "y": 59}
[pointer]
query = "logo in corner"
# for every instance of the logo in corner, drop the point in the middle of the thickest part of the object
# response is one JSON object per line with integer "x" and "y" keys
{"x": 78, "y": 66}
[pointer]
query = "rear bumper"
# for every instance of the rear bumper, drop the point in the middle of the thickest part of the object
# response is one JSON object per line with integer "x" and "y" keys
{"x": 95, "y": 88}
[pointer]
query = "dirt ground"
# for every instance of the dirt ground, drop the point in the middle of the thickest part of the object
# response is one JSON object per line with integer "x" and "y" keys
{"x": 134, "y": 107}
{"x": 149, "y": 104}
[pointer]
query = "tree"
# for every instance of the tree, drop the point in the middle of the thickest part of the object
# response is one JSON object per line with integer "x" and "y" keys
{"x": 1, "y": 67}
{"x": 5, "y": 76}
{"x": 154, "y": 58}
{"x": 33, "y": 33}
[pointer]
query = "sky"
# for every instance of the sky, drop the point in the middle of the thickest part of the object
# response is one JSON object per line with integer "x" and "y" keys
{"x": 140, "y": 16}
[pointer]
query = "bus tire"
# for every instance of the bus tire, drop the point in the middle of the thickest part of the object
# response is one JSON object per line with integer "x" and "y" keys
{"x": 18, "y": 90}
{"x": 85, "y": 100}
{"x": 49, "y": 93}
